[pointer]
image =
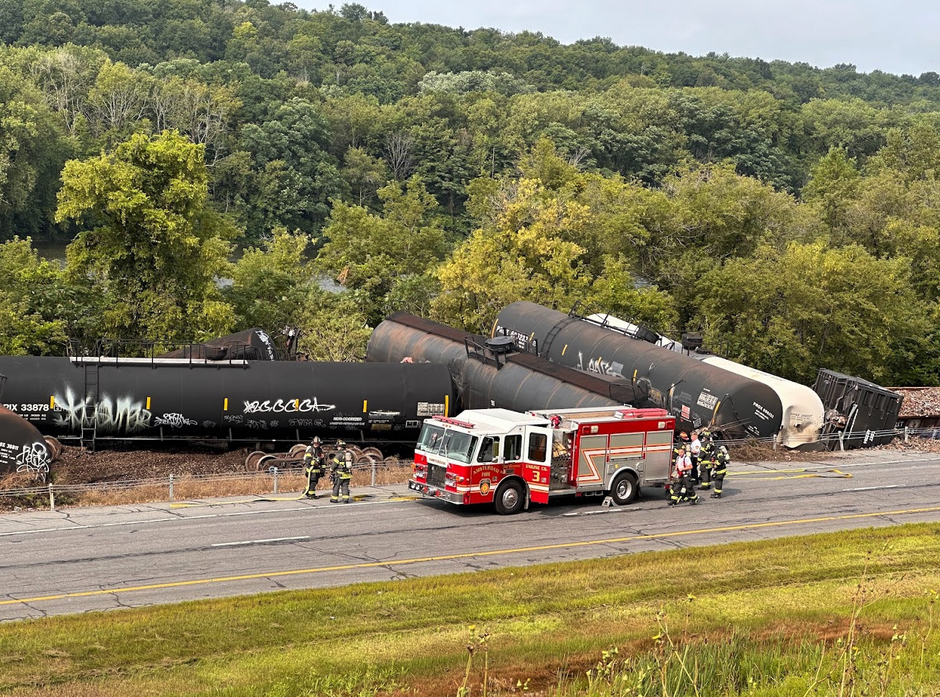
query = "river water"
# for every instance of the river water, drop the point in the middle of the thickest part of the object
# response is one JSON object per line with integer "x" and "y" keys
{"x": 55, "y": 251}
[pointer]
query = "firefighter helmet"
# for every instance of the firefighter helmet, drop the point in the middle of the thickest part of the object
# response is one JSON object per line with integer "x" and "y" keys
{"x": 315, "y": 441}
{"x": 340, "y": 444}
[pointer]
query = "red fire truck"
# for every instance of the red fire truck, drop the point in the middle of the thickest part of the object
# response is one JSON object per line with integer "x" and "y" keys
{"x": 509, "y": 458}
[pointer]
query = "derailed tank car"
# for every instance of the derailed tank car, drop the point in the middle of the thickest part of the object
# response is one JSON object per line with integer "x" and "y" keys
{"x": 492, "y": 375}
{"x": 22, "y": 447}
{"x": 96, "y": 398}
{"x": 696, "y": 393}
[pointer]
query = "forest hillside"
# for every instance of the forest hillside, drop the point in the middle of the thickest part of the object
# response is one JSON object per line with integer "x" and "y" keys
{"x": 789, "y": 213}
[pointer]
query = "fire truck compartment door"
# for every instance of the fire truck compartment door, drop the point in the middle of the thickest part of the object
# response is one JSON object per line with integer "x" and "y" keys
{"x": 658, "y": 456}
{"x": 592, "y": 462}
{"x": 538, "y": 452}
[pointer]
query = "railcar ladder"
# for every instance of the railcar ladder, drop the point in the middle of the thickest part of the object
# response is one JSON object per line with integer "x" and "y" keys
{"x": 90, "y": 408}
{"x": 553, "y": 332}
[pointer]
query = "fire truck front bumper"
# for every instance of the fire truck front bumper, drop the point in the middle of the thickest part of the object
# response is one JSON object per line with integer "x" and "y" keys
{"x": 435, "y": 492}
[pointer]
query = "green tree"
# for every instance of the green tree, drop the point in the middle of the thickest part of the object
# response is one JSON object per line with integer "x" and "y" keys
{"x": 615, "y": 291}
{"x": 364, "y": 174}
{"x": 333, "y": 328}
{"x": 271, "y": 283}
{"x": 33, "y": 302}
{"x": 155, "y": 247}
{"x": 523, "y": 252}
{"x": 371, "y": 253}
{"x": 833, "y": 186}
{"x": 814, "y": 307}
{"x": 294, "y": 175}
{"x": 117, "y": 101}
{"x": 33, "y": 148}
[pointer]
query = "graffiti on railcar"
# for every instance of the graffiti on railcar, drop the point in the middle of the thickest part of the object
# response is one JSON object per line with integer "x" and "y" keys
{"x": 110, "y": 415}
{"x": 286, "y": 406}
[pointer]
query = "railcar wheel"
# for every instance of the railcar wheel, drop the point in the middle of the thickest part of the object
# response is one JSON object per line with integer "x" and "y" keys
{"x": 55, "y": 447}
{"x": 297, "y": 451}
{"x": 624, "y": 489}
{"x": 509, "y": 498}
{"x": 252, "y": 462}
{"x": 373, "y": 454}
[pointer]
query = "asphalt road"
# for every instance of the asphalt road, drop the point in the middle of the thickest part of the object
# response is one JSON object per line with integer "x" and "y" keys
{"x": 86, "y": 559}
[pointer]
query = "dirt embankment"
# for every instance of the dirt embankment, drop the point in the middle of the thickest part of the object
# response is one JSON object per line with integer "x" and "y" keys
{"x": 78, "y": 466}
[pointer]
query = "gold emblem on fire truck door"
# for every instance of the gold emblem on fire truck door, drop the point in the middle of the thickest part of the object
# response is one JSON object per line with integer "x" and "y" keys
{"x": 484, "y": 486}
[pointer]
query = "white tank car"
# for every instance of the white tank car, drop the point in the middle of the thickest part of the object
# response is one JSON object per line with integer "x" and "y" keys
{"x": 635, "y": 331}
{"x": 803, "y": 412}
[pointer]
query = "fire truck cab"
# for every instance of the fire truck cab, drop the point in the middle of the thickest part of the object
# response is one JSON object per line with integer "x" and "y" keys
{"x": 510, "y": 458}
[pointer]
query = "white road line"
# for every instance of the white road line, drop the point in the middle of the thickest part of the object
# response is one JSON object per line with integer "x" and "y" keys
{"x": 873, "y": 488}
{"x": 203, "y": 516}
{"x": 261, "y": 542}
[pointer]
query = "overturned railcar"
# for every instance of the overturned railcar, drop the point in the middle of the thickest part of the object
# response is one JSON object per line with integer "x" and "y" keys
{"x": 859, "y": 413}
{"x": 803, "y": 416}
{"x": 697, "y": 394}
{"x": 493, "y": 375}
{"x": 97, "y": 398}
{"x": 22, "y": 447}
{"x": 251, "y": 344}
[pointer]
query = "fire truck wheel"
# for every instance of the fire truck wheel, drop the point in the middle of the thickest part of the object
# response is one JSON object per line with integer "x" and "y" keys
{"x": 509, "y": 498}
{"x": 624, "y": 489}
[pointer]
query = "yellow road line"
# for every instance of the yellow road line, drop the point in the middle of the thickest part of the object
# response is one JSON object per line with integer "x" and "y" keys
{"x": 466, "y": 555}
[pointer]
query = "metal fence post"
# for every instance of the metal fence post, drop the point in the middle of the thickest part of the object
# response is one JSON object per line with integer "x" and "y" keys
{"x": 51, "y": 499}
{"x": 906, "y": 435}
{"x": 171, "y": 487}
{"x": 274, "y": 471}
{"x": 373, "y": 471}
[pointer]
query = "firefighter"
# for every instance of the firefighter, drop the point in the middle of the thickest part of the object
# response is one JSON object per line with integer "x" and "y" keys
{"x": 695, "y": 451}
{"x": 706, "y": 462}
{"x": 722, "y": 458}
{"x": 313, "y": 467}
{"x": 341, "y": 473}
{"x": 681, "y": 488}
{"x": 680, "y": 441}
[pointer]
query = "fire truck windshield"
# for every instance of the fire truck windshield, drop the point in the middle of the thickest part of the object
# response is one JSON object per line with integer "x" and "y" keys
{"x": 459, "y": 446}
{"x": 431, "y": 438}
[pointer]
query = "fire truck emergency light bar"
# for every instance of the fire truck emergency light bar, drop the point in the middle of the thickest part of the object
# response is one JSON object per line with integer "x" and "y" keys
{"x": 638, "y": 413}
{"x": 453, "y": 422}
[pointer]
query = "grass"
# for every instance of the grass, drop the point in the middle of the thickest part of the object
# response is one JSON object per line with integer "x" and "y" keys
{"x": 848, "y": 613}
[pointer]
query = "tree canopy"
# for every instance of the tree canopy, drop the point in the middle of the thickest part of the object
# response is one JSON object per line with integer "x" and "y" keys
{"x": 153, "y": 248}
{"x": 789, "y": 213}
